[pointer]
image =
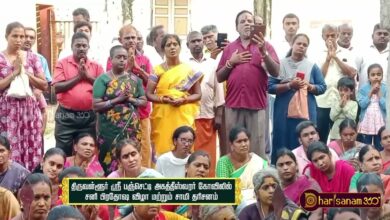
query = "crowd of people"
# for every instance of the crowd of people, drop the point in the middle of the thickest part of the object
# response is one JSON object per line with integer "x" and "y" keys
{"x": 281, "y": 120}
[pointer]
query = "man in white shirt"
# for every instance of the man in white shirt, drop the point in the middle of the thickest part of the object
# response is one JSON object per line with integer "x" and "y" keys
{"x": 290, "y": 27}
{"x": 335, "y": 63}
{"x": 378, "y": 52}
{"x": 211, "y": 50}
{"x": 210, "y": 33}
{"x": 212, "y": 102}
{"x": 95, "y": 51}
{"x": 153, "y": 50}
{"x": 345, "y": 36}
{"x": 307, "y": 133}
{"x": 140, "y": 42}
{"x": 30, "y": 39}
{"x": 344, "y": 41}
{"x": 80, "y": 14}
{"x": 282, "y": 47}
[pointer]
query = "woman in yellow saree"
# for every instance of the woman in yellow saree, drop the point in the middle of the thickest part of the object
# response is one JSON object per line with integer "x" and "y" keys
{"x": 174, "y": 89}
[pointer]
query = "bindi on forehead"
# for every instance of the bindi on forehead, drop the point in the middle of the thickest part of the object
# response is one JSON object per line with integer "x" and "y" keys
{"x": 246, "y": 16}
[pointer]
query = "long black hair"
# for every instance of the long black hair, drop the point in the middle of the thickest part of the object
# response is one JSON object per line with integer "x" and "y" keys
{"x": 49, "y": 153}
{"x": 317, "y": 146}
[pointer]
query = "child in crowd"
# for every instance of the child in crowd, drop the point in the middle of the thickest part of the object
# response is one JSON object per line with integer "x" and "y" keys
{"x": 372, "y": 101}
{"x": 347, "y": 107}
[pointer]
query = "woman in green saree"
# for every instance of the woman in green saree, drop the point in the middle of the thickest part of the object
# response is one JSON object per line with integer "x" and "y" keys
{"x": 117, "y": 95}
{"x": 240, "y": 163}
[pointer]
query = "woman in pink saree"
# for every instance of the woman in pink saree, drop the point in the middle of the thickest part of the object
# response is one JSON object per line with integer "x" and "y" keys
{"x": 85, "y": 156}
{"x": 332, "y": 176}
{"x": 292, "y": 183}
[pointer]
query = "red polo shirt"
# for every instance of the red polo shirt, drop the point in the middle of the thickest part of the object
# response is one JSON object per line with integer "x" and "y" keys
{"x": 247, "y": 83}
{"x": 79, "y": 97}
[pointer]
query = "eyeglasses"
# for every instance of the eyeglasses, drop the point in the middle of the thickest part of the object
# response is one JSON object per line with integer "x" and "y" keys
{"x": 188, "y": 141}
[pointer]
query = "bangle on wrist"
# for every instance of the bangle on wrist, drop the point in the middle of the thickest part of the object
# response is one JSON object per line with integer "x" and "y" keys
{"x": 108, "y": 103}
{"x": 288, "y": 86}
{"x": 161, "y": 98}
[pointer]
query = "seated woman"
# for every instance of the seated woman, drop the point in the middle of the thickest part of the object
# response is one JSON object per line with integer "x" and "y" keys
{"x": 240, "y": 162}
{"x": 216, "y": 212}
{"x": 52, "y": 165}
{"x": 347, "y": 147}
{"x": 332, "y": 176}
{"x": 151, "y": 212}
{"x": 9, "y": 204}
{"x": 64, "y": 212}
{"x": 12, "y": 174}
{"x": 343, "y": 213}
{"x": 267, "y": 186}
{"x": 172, "y": 163}
{"x": 35, "y": 197}
{"x": 384, "y": 134}
{"x": 198, "y": 166}
{"x": 91, "y": 212}
{"x": 372, "y": 183}
{"x": 292, "y": 183}
{"x": 370, "y": 162}
{"x": 85, "y": 156}
{"x": 128, "y": 154}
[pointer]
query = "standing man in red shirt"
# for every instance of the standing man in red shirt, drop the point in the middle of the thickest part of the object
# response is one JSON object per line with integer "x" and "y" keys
{"x": 73, "y": 82}
{"x": 245, "y": 65}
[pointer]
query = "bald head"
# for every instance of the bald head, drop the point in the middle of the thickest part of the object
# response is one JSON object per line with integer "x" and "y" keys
{"x": 192, "y": 34}
{"x": 195, "y": 43}
{"x": 345, "y": 35}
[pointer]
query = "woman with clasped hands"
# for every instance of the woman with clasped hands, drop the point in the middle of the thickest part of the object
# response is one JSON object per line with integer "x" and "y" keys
{"x": 298, "y": 76}
{"x": 20, "y": 118}
{"x": 117, "y": 96}
{"x": 174, "y": 89}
